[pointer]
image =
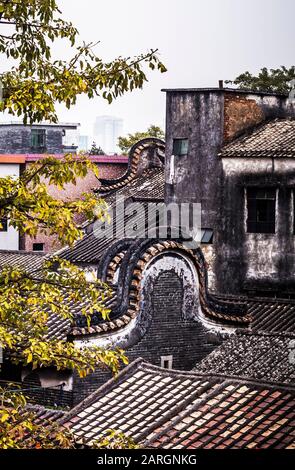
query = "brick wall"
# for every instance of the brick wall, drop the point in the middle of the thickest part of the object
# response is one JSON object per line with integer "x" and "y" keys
{"x": 169, "y": 334}
{"x": 72, "y": 192}
{"x": 240, "y": 114}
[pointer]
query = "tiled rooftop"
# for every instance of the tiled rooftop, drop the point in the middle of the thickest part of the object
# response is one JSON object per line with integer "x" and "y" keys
{"x": 259, "y": 356}
{"x": 141, "y": 398}
{"x": 150, "y": 185}
{"x": 235, "y": 415}
{"x": 268, "y": 314}
{"x": 166, "y": 408}
{"x": 44, "y": 415}
{"x": 21, "y": 259}
{"x": 60, "y": 328}
{"x": 273, "y": 139}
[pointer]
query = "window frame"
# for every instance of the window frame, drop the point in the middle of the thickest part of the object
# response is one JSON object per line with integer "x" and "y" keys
{"x": 40, "y": 251}
{"x": 207, "y": 234}
{"x": 177, "y": 142}
{"x": 265, "y": 203}
{"x": 168, "y": 360}
{"x": 40, "y": 143}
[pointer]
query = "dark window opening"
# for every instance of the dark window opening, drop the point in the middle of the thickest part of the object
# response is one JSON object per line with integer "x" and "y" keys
{"x": 207, "y": 236}
{"x": 10, "y": 372}
{"x": 261, "y": 210}
{"x": 180, "y": 147}
{"x": 166, "y": 362}
{"x": 38, "y": 138}
{"x": 3, "y": 224}
{"x": 38, "y": 246}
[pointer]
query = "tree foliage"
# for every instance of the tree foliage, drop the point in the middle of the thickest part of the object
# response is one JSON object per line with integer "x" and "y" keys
{"x": 115, "y": 440}
{"x": 38, "y": 81}
{"x": 125, "y": 143}
{"x": 32, "y": 87}
{"x": 271, "y": 80}
{"x": 19, "y": 428}
{"x": 96, "y": 150}
{"x": 30, "y": 208}
{"x": 30, "y": 297}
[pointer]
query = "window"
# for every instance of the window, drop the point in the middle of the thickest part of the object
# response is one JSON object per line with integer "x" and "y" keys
{"x": 38, "y": 137}
{"x": 261, "y": 210}
{"x": 3, "y": 226}
{"x": 207, "y": 236}
{"x": 180, "y": 147}
{"x": 38, "y": 246}
{"x": 166, "y": 362}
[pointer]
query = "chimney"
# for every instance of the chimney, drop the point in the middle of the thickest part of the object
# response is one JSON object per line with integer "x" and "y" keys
{"x": 220, "y": 83}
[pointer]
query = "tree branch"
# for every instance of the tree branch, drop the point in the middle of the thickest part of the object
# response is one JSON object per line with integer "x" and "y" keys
{"x": 34, "y": 25}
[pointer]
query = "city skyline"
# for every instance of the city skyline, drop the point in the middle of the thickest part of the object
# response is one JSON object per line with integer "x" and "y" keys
{"x": 197, "y": 41}
{"x": 198, "y": 54}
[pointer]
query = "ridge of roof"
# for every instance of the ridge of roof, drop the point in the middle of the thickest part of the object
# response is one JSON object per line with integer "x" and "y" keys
{"x": 23, "y": 252}
{"x": 134, "y": 157}
{"x": 260, "y": 333}
{"x": 224, "y": 89}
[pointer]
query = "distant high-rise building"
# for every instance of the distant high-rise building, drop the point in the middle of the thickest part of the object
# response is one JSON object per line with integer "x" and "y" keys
{"x": 107, "y": 129}
{"x": 83, "y": 143}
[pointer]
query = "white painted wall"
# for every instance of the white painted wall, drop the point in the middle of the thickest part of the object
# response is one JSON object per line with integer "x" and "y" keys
{"x": 9, "y": 240}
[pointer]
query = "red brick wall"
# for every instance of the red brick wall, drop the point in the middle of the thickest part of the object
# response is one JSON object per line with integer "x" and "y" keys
{"x": 72, "y": 192}
{"x": 240, "y": 114}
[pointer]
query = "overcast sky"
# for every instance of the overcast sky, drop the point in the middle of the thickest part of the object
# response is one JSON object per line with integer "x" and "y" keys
{"x": 200, "y": 42}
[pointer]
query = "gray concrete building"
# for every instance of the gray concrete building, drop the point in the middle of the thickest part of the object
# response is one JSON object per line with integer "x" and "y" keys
{"x": 233, "y": 152}
{"x": 16, "y": 138}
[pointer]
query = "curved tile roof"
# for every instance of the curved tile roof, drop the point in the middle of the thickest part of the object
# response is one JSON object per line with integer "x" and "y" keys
{"x": 148, "y": 188}
{"x": 135, "y": 158}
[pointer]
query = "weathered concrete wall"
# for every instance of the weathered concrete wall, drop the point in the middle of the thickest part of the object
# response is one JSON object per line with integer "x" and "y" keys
{"x": 208, "y": 119}
{"x": 257, "y": 260}
{"x": 198, "y": 117}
